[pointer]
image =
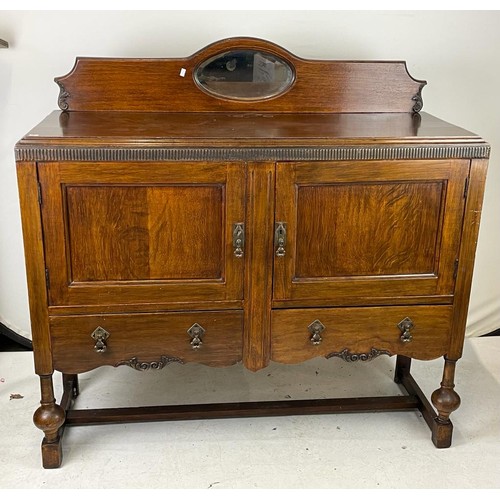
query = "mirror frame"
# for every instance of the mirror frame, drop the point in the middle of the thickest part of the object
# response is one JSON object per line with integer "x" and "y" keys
{"x": 264, "y": 51}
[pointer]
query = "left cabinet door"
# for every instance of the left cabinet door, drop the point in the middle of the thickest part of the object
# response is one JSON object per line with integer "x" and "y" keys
{"x": 122, "y": 233}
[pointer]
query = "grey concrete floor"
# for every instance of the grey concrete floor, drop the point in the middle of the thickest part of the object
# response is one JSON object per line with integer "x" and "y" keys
{"x": 365, "y": 451}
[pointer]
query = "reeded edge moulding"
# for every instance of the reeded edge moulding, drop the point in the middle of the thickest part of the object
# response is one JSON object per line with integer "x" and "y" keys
{"x": 398, "y": 152}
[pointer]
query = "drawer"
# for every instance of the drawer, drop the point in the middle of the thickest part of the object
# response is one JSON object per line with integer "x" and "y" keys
{"x": 145, "y": 341}
{"x": 354, "y": 333}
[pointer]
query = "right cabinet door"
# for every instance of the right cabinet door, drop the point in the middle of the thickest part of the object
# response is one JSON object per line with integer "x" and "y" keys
{"x": 364, "y": 232}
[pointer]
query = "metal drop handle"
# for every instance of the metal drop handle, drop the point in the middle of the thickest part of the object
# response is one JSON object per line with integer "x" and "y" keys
{"x": 315, "y": 329}
{"x": 238, "y": 239}
{"x": 196, "y": 332}
{"x": 280, "y": 238}
{"x": 100, "y": 335}
{"x": 405, "y": 326}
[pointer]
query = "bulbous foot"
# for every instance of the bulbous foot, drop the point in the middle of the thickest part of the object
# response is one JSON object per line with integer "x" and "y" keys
{"x": 446, "y": 401}
{"x": 49, "y": 418}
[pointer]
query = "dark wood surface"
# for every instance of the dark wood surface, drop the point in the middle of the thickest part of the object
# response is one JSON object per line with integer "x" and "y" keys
{"x": 250, "y": 409}
{"x": 242, "y": 129}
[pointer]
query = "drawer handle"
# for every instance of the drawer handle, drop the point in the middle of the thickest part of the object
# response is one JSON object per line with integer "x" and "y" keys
{"x": 405, "y": 326}
{"x": 280, "y": 238}
{"x": 196, "y": 331}
{"x": 315, "y": 329}
{"x": 100, "y": 335}
{"x": 238, "y": 239}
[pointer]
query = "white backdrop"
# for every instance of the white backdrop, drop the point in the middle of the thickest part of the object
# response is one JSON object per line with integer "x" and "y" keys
{"x": 458, "y": 53}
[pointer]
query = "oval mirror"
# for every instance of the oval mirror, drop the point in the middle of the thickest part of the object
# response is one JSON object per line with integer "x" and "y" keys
{"x": 244, "y": 74}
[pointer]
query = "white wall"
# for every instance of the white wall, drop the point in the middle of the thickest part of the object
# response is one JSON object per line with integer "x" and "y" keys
{"x": 458, "y": 53}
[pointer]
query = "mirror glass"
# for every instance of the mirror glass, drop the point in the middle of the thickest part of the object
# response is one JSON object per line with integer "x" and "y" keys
{"x": 244, "y": 75}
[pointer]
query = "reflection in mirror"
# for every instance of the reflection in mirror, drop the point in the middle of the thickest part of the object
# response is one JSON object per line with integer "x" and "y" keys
{"x": 244, "y": 75}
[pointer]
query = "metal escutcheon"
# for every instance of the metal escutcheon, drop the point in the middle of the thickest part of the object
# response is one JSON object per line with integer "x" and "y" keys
{"x": 100, "y": 335}
{"x": 405, "y": 326}
{"x": 315, "y": 329}
{"x": 196, "y": 331}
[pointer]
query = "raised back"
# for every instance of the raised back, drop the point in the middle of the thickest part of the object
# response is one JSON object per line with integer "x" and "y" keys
{"x": 168, "y": 85}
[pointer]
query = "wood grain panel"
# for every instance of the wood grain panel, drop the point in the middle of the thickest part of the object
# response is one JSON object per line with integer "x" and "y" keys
{"x": 129, "y": 233}
{"x": 258, "y": 268}
{"x": 186, "y": 232}
{"x": 108, "y": 236}
{"x": 368, "y": 229}
{"x": 27, "y": 180}
{"x": 472, "y": 218}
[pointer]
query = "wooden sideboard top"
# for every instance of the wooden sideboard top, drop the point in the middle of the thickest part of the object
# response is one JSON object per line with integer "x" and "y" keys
{"x": 132, "y": 136}
{"x": 242, "y": 129}
{"x": 327, "y": 110}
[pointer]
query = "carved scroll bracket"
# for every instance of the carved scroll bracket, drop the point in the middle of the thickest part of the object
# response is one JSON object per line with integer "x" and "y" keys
{"x": 150, "y": 365}
{"x": 64, "y": 95}
{"x": 348, "y": 356}
{"x": 419, "y": 103}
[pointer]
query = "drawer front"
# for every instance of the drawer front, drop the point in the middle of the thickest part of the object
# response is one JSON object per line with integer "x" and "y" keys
{"x": 353, "y": 333}
{"x": 146, "y": 341}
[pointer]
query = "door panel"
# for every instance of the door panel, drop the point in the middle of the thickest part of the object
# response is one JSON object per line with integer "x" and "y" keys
{"x": 119, "y": 233}
{"x": 368, "y": 229}
{"x": 132, "y": 232}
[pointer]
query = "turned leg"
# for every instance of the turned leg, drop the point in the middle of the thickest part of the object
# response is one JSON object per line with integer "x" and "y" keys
{"x": 446, "y": 400}
{"x": 49, "y": 417}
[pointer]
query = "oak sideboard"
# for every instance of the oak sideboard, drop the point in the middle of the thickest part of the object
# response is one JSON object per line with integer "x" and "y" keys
{"x": 245, "y": 205}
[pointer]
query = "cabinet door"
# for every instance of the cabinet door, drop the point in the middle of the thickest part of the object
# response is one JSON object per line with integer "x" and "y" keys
{"x": 142, "y": 233}
{"x": 364, "y": 231}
